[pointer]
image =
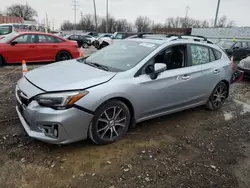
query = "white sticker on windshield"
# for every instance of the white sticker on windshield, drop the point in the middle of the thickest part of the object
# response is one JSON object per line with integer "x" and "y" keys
{"x": 147, "y": 45}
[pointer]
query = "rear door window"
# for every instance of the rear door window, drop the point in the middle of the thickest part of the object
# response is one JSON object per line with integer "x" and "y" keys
{"x": 199, "y": 54}
{"x": 212, "y": 56}
{"x": 46, "y": 39}
{"x": 238, "y": 45}
{"x": 244, "y": 44}
{"x": 217, "y": 54}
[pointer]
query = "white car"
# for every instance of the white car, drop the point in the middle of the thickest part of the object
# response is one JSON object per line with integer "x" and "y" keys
{"x": 91, "y": 38}
{"x": 105, "y": 41}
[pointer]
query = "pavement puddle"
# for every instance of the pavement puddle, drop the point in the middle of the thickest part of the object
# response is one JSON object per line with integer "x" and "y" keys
{"x": 228, "y": 115}
{"x": 245, "y": 106}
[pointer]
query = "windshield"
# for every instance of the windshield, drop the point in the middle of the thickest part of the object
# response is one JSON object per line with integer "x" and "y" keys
{"x": 8, "y": 37}
{"x": 225, "y": 44}
{"x": 5, "y": 29}
{"x": 123, "y": 55}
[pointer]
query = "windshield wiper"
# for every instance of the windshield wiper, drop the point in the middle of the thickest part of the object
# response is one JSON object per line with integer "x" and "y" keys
{"x": 97, "y": 65}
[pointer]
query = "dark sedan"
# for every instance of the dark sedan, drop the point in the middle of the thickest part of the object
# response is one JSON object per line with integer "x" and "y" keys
{"x": 238, "y": 49}
{"x": 81, "y": 40}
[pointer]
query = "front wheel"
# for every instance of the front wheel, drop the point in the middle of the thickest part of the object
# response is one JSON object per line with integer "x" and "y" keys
{"x": 63, "y": 56}
{"x": 218, "y": 97}
{"x": 85, "y": 45}
{"x": 110, "y": 122}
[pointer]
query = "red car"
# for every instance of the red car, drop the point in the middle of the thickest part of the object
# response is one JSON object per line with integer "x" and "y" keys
{"x": 36, "y": 47}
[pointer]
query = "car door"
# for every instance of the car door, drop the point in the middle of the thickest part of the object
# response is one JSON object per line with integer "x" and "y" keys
{"x": 245, "y": 50}
{"x": 238, "y": 51}
{"x": 48, "y": 48}
{"x": 22, "y": 47}
{"x": 212, "y": 66}
{"x": 173, "y": 90}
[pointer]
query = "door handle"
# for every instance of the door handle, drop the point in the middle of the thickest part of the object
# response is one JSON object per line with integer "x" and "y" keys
{"x": 54, "y": 46}
{"x": 186, "y": 77}
{"x": 216, "y": 71}
{"x": 32, "y": 46}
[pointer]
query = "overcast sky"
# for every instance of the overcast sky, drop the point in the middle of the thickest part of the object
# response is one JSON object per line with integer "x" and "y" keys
{"x": 157, "y": 10}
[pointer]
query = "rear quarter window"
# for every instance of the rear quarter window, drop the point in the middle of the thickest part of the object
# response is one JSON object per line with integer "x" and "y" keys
{"x": 217, "y": 54}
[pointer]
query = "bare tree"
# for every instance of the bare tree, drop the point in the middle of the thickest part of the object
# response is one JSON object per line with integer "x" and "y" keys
{"x": 24, "y": 11}
{"x": 87, "y": 22}
{"x": 142, "y": 23}
{"x": 67, "y": 25}
{"x": 123, "y": 25}
{"x": 222, "y": 22}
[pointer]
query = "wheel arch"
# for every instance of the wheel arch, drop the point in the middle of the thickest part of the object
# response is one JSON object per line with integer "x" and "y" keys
{"x": 4, "y": 61}
{"x": 62, "y": 50}
{"x": 126, "y": 102}
{"x": 228, "y": 86}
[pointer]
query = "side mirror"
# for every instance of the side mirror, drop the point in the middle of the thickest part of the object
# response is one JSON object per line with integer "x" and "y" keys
{"x": 13, "y": 43}
{"x": 157, "y": 69}
{"x": 160, "y": 67}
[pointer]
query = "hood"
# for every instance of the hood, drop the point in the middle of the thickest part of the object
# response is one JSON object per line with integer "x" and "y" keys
{"x": 68, "y": 75}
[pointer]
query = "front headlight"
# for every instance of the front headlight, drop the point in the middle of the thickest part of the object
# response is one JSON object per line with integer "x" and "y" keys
{"x": 60, "y": 101}
{"x": 242, "y": 64}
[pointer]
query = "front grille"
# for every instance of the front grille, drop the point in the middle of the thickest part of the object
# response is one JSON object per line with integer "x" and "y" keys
{"x": 22, "y": 97}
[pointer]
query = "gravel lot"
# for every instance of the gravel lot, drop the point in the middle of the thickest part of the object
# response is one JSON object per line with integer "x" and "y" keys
{"x": 195, "y": 148}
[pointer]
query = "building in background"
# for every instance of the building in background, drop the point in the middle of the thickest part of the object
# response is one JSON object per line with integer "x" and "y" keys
{"x": 10, "y": 19}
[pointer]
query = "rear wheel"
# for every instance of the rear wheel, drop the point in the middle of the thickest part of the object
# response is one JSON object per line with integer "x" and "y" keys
{"x": 63, "y": 55}
{"x": 218, "y": 97}
{"x": 110, "y": 122}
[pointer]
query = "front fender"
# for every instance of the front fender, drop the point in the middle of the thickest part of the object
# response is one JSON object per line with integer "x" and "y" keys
{"x": 102, "y": 93}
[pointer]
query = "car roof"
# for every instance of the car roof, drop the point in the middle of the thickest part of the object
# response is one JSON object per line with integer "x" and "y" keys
{"x": 148, "y": 40}
{"x": 33, "y": 32}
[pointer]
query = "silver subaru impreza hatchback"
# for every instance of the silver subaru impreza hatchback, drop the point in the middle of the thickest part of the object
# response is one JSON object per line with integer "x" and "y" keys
{"x": 101, "y": 96}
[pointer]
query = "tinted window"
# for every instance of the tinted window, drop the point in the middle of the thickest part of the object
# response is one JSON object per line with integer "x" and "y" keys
{"x": 74, "y": 37}
{"x": 200, "y": 54}
{"x": 248, "y": 43}
{"x": 25, "y": 39}
{"x": 217, "y": 54}
{"x": 5, "y": 29}
{"x": 244, "y": 44}
{"x": 212, "y": 57}
{"x": 238, "y": 44}
{"x": 119, "y": 36}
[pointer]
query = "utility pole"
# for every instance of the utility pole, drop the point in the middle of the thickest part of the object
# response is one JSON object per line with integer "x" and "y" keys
{"x": 186, "y": 17}
{"x": 75, "y": 8}
{"x": 107, "y": 15}
{"x": 217, "y": 12}
{"x": 95, "y": 15}
{"x": 53, "y": 24}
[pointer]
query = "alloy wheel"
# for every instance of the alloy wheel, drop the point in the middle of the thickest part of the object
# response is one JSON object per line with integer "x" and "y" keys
{"x": 111, "y": 123}
{"x": 219, "y": 96}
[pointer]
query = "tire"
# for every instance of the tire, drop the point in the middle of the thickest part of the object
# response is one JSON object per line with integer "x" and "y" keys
{"x": 85, "y": 45}
{"x": 63, "y": 56}
{"x": 1, "y": 61}
{"x": 218, "y": 97}
{"x": 110, "y": 123}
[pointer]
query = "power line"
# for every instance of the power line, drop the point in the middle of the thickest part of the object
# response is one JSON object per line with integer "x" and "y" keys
{"x": 217, "y": 12}
{"x": 75, "y": 6}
